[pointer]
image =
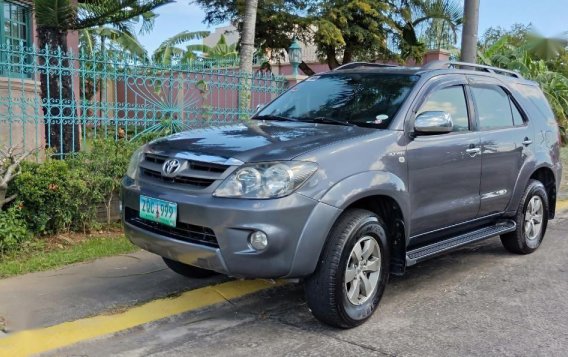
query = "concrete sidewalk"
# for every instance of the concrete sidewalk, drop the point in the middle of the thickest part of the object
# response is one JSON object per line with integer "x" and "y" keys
{"x": 103, "y": 286}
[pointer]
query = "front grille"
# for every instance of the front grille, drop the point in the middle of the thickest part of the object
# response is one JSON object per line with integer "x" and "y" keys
{"x": 156, "y": 159}
{"x": 192, "y": 176}
{"x": 183, "y": 231}
{"x": 205, "y": 166}
{"x": 193, "y": 181}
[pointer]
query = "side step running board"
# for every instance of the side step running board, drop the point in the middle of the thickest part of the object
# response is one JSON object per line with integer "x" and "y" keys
{"x": 419, "y": 254}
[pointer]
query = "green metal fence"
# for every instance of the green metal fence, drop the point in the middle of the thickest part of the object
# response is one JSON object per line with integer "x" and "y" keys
{"x": 87, "y": 97}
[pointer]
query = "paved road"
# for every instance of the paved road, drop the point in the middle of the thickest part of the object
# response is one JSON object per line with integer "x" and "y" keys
{"x": 478, "y": 301}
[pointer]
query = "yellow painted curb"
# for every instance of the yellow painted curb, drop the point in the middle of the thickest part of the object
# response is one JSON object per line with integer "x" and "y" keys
{"x": 32, "y": 342}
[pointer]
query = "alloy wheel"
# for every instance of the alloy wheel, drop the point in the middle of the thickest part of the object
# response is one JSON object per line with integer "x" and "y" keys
{"x": 534, "y": 214}
{"x": 363, "y": 270}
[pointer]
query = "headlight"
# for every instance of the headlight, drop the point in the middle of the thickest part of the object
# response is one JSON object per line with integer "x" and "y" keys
{"x": 134, "y": 164}
{"x": 266, "y": 180}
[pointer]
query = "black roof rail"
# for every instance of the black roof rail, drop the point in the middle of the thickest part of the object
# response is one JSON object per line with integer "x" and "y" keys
{"x": 473, "y": 66}
{"x": 352, "y": 65}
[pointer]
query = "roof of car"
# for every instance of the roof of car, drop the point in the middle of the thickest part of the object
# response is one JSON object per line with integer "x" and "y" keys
{"x": 447, "y": 66}
{"x": 376, "y": 69}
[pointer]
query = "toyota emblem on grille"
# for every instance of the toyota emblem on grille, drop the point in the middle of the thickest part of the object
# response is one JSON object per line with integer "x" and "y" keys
{"x": 171, "y": 167}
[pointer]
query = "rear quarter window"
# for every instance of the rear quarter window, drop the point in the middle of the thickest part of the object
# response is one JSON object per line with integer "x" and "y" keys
{"x": 539, "y": 106}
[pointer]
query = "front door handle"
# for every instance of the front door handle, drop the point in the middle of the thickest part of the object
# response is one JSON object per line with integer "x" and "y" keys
{"x": 473, "y": 152}
{"x": 527, "y": 142}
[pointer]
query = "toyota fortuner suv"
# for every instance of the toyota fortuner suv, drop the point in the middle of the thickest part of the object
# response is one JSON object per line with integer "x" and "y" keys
{"x": 350, "y": 176}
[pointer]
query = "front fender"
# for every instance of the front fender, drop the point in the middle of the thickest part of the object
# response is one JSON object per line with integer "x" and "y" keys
{"x": 365, "y": 184}
{"x": 332, "y": 204}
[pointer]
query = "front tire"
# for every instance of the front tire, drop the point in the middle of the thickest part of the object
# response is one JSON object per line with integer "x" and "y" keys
{"x": 188, "y": 271}
{"x": 531, "y": 219}
{"x": 353, "y": 271}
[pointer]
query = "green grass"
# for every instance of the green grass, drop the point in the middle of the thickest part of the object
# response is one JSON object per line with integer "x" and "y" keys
{"x": 35, "y": 258}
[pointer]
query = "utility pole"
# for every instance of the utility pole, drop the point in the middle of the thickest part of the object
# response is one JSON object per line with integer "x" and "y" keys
{"x": 470, "y": 29}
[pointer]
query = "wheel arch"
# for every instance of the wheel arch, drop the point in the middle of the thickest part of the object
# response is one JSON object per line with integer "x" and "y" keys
{"x": 356, "y": 191}
{"x": 391, "y": 212}
{"x": 545, "y": 175}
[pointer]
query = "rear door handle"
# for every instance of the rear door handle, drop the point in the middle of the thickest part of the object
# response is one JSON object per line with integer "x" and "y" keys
{"x": 473, "y": 152}
{"x": 527, "y": 142}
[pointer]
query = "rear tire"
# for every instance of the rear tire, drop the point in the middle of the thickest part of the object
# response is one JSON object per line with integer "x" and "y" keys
{"x": 531, "y": 219}
{"x": 352, "y": 272}
{"x": 188, "y": 271}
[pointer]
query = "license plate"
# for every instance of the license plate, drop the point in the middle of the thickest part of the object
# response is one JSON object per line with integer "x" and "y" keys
{"x": 159, "y": 211}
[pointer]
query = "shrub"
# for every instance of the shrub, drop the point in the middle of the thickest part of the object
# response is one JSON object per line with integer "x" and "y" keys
{"x": 55, "y": 197}
{"x": 104, "y": 166}
{"x": 13, "y": 229}
{"x": 63, "y": 195}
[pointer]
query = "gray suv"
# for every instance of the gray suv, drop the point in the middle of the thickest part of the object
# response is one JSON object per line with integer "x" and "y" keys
{"x": 350, "y": 176}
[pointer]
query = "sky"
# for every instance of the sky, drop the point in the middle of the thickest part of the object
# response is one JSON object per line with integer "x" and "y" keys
{"x": 547, "y": 16}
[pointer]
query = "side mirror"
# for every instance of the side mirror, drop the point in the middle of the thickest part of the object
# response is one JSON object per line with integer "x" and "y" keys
{"x": 433, "y": 123}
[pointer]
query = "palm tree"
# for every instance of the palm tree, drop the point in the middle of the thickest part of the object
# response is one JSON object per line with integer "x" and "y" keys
{"x": 246, "y": 52}
{"x": 117, "y": 40}
{"x": 54, "y": 19}
{"x": 441, "y": 18}
{"x": 470, "y": 30}
{"x": 220, "y": 54}
{"x": 222, "y": 51}
{"x": 169, "y": 48}
{"x": 106, "y": 39}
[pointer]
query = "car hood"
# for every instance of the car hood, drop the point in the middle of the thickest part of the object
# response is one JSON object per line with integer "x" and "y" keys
{"x": 256, "y": 140}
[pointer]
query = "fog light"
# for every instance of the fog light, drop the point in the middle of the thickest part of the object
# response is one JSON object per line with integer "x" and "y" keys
{"x": 258, "y": 240}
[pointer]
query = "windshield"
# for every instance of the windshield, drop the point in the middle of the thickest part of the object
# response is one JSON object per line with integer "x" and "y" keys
{"x": 364, "y": 99}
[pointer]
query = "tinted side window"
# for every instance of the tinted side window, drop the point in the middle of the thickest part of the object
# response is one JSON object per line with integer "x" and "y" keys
{"x": 517, "y": 116}
{"x": 450, "y": 100}
{"x": 493, "y": 107}
{"x": 540, "y": 107}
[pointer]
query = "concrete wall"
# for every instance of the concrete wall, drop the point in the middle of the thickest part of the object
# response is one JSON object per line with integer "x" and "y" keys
{"x": 20, "y": 100}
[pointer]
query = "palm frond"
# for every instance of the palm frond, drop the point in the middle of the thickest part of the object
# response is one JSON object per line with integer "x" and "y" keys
{"x": 198, "y": 48}
{"x": 59, "y": 14}
{"x": 168, "y": 48}
{"x": 94, "y": 13}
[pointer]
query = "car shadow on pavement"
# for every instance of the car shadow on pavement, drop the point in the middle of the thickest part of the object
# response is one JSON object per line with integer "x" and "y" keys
{"x": 287, "y": 304}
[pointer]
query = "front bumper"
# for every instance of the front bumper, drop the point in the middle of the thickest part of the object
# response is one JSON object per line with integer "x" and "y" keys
{"x": 296, "y": 226}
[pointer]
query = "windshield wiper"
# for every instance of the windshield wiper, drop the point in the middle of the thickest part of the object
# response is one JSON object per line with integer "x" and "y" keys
{"x": 326, "y": 120}
{"x": 274, "y": 117}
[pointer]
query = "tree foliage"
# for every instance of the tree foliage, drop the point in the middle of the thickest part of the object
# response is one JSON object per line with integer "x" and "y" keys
{"x": 170, "y": 48}
{"x": 344, "y": 31}
{"x": 536, "y": 57}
